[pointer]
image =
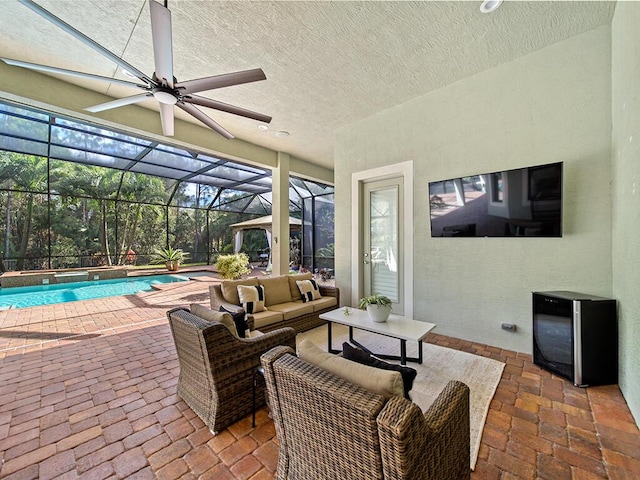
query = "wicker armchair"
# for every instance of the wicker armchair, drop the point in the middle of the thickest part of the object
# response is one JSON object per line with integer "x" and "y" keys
{"x": 329, "y": 428}
{"x": 217, "y": 368}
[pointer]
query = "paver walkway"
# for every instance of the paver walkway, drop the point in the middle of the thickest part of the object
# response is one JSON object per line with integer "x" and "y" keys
{"x": 88, "y": 390}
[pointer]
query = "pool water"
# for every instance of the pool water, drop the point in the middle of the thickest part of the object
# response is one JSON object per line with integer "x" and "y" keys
{"x": 22, "y": 297}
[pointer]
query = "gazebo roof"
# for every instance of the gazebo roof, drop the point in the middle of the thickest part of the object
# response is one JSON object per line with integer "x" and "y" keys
{"x": 264, "y": 223}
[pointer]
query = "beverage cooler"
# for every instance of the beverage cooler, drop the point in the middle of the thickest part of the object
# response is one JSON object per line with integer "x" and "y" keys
{"x": 575, "y": 336}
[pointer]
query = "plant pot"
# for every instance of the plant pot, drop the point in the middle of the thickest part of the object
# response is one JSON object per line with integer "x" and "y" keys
{"x": 173, "y": 266}
{"x": 378, "y": 313}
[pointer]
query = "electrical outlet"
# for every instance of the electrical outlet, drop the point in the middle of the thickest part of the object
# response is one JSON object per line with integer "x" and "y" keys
{"x": 510, "y": 327}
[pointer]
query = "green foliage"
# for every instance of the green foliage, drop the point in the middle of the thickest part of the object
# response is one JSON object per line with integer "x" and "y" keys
{"x": 170, "y": 254}
{"x": 65, "y": 252}
{"x": 328, "y": 251}
{"x": 233, "y": 266}
{"x": 92, "y": 215}
{"x": 375, "y": 299}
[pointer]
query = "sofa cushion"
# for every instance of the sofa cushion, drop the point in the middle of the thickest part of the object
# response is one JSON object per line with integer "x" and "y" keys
{"x": 251, "y": 298}
{"x": 308, "y": 290}
{"x": 323, "y": 303}
{"x": 292, "y": 309}
{"x": 230, "y": 288}
{"x": 357, "y": 355}
{"x": 268, "y": 317}
{"x": 383, "y": 382}
{"x": 276, "y": 290}
{"x": 293, "y": 286}
{"x": 239, "y": 320}
{"x": 213, "y": 316}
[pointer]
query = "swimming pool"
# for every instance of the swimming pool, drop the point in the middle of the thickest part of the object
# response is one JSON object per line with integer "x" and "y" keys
{"x": 22, "y": 297}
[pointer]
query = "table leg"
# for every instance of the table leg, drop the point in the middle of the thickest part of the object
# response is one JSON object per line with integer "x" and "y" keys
{"x": 403, "y": 352}
{"x": 420, "y": 352}
{"x": 329, "y": 338}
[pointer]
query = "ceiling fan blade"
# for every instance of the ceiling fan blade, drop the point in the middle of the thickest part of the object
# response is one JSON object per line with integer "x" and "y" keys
{"x": 162, "y": 47}
{"x": 190, "y": 109}
{"x": 219, "y": 81}
{"x": 225, "y": 107}
{"x": 73, "y": 73}
{"x": 86, "y": 40}
{"x": 166, "y": 117}
{"x": 121, "y": 102}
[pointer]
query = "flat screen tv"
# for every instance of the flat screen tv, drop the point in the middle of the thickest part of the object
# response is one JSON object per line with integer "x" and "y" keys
{"x": 524, "y": 202}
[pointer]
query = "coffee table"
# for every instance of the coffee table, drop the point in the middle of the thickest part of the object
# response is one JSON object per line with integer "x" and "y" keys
{"x": 404, "y": 329}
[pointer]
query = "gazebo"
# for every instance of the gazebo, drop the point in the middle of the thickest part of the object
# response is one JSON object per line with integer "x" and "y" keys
{"x": 261, "y": 223}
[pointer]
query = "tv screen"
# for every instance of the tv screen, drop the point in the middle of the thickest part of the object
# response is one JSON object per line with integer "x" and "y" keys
{"x": 524, "y": 202}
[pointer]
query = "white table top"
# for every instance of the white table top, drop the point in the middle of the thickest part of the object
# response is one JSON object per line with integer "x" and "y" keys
{"x": 396, "y": 326}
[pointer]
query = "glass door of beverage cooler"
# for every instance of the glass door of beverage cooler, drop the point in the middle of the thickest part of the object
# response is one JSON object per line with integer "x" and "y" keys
{"x": 553, "y": 335}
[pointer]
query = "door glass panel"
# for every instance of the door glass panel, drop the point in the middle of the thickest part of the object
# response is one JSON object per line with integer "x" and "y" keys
{"x": 384, "y": 242}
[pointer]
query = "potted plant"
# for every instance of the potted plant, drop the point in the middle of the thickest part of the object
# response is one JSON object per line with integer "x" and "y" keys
{"x": 171, "y": 257}
{"x": 377, "y": 306}
{"x": 230, "y": 267}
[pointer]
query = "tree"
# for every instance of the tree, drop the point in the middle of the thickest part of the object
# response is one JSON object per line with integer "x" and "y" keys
{"x": 138, "y": 193}
{"x": 27, "y": 174}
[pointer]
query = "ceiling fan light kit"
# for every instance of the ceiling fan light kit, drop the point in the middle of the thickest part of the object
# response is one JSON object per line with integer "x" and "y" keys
{"x": 162, "y": 85}
{"x": 164, "y": 96}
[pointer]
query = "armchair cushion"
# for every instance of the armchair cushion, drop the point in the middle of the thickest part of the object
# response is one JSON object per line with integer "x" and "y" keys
{"x": 210, "y": 316}
{"x": 251, "y": 298}
{"x": 360, "y": 356}
{"x": 383, "y": 382}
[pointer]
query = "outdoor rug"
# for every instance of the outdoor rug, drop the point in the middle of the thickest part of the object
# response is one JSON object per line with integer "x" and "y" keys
{"x": 440, "y": 365}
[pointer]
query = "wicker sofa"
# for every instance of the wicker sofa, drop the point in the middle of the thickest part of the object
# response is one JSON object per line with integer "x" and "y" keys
{"x": 283, "y": 300}
{"x": 217, "y": 367}
{"x": 330, "y": 428}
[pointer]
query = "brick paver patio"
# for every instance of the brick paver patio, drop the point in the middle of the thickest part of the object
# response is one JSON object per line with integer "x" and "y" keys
{"x": 88, "y": 390}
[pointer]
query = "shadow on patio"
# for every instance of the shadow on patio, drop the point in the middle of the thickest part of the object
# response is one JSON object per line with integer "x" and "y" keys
{"x": 108, "y": 406}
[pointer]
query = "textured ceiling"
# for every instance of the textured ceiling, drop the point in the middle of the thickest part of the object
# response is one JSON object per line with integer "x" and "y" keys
{"x": 327, "y": 63}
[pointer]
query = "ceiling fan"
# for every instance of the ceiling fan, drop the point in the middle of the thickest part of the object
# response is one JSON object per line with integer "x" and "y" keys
{"x": 162, "y": 85}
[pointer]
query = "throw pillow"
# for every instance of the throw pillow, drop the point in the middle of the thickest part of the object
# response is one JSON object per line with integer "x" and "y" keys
{"x": 241, "y": 324}
{"x": 213, "y": 316}
{"x": 251, "y": 298}
{"x": 385, "y": 383}
{"x": 360, "y": 356}
{"x": 308, "y": 290}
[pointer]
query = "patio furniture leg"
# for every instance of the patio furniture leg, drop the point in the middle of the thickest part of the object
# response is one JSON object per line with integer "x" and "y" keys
{"x": 330, "y": 348}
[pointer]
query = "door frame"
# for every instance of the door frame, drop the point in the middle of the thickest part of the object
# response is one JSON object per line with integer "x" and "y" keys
{"x": 358, "y": 179}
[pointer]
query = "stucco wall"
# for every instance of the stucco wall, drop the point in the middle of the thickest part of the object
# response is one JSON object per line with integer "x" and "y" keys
{"x": 552, "y": 105}
{"x": 626, "y": 194}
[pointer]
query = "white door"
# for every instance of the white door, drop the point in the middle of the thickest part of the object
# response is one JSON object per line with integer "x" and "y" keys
{"x": 383, "y": 236}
